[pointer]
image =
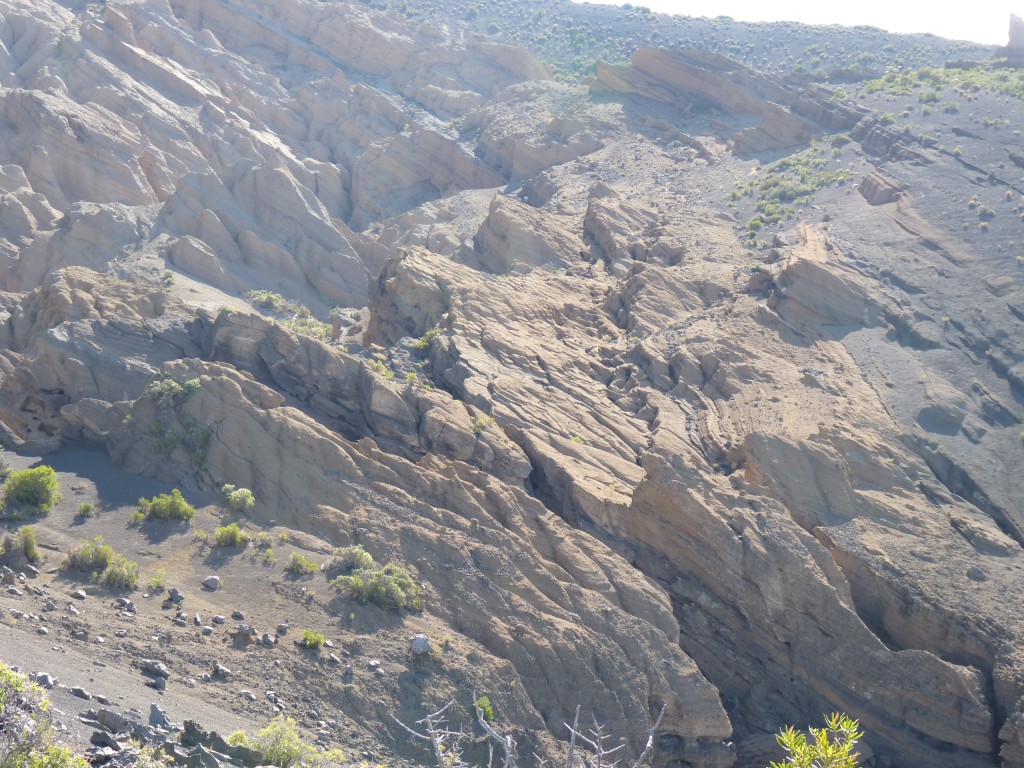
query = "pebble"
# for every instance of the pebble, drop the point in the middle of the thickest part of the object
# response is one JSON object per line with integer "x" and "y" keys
{"x": 334, "y": 659}
{"x": 122, "y": 633}
{"x": 373, "y": 664}
{"x": 43, "y": 631}
{"x": 207, "y": 630}
{"x": 211, "y": 582}
{"x": 80, "y": 692}
{"x": 78, "y": 594}
{"x": 49, "y": 605}
{"x": 248, "y": 695}
{"x": 14, "y": 591}
{"x": 219, "y": 619}
{"x": 180, "y": 621}
{"x": 238, "y": 616}
{"x": 72, "y": 610}
{"x": 282, "y": 629}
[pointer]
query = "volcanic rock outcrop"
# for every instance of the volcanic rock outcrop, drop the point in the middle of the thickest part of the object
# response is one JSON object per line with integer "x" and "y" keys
{"x": 515, "y": 335}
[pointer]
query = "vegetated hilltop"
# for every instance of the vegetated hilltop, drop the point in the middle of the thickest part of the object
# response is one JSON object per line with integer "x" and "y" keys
{"x": 683, "y": 386}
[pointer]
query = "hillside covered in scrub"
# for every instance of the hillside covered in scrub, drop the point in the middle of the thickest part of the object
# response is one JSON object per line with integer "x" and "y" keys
{"x": 358, "y": 359}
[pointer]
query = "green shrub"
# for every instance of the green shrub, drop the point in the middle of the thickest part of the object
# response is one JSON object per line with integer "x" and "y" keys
{"x": 239, "y": 739}
{"x": 312, "y": 639}
{"x": 485, "y": 707}
{"x": 347, "y": 559}
{"x": 32, "y": 490}
{"x": 390, "y": 587}
{"x": 90, "y": 557}
{"x": 239, "y": 499}
{"x": 158, "y": 579}
{"x": 103, "y": 563}
{"x": 168, "y": 506}
{"x": 26, "y": 727}
{"x": 25, "y": 541}
{"x": 280, "y": 744}
{"x": 86, "y": 510}
{"x": 122, "y": 573}
{"x": 828, "y": 747}
{"x": 300, "y": 566}
{"x": 230, "y": 536}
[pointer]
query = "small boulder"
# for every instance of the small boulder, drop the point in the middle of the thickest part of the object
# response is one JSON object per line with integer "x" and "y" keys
{"x": 212, "y": 582}
{"x": 155, "y": 668}
{"x": 420, "y": 645}
{"x": 80, "y": 692}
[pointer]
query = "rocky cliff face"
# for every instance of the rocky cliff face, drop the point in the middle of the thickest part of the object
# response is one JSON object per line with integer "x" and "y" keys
{"x": 639, "y": 453}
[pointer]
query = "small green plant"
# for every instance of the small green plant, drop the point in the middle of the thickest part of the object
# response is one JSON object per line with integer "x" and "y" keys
{"x": 381, "y": 369}
{"x": 390, "y": 587}
{"x": 167, "y": 506}
{"x": 313, "y": 640}
{"x": 26, "y": 541}
{"x": 34, "y": 491}
{"x": 158, "y": 579}
{"x": 347, "y": 560}
{"x": 485, "y": 707}
{"x": 280, "y": 744}
{"x": 239, "y": 739}
{"x": 300, "y": 566}
{"x": 201, "y": 536}
{"x": 239, "y": 499}
{"x": 27, "y": 738}
{"x": 262, "y": 539}
{"x": 85, "y": 509}
{"x": 230, "y": 536}
{"x": 106, "y": 566}
{"x": 828, "y": 747}
{"x": 423, "y": 343}
{"x": 268, "y": 556}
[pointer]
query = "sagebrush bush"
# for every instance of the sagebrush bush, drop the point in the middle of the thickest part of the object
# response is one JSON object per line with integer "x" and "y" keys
{"x": 27, "y": 543}
{"x": 300, "y": 566}
{"x": 103, "y": 563}
{"x": 89, "y": 557}
{"x": 230, "y": 536}
{"x": 347, "y": 559}
{"x": 26, "y": 727}
{"x": 167, "y": 506}
{"x": 390, "y": 587}
{"x": 32, "y": 490}
{"x": 86, "y": 509}
{"x": 312, "y": 639}
{"x": 239, "y": 499}
{"x": 280, "y": 744}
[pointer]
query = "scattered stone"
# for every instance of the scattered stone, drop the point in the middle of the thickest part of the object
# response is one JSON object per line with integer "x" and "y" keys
{"x": 160, "y": 683}
{"x": 268, "y": 640}
{"x": 126, "y": 604}
{"x": 212, "y": 582}
{"x": 197, "y": 620}
{"x": 372, "y": 664}
{"x": 282, "y": 629}
{"x": 219, "y": 670}
{"x": 158, "y": 718}
{"x": 14, "y": 591}
{"x": 44, "y": 679}
{"x": 80, "y": 634}
{"x": 112, "y": 721}
{"x": 180, "y": 621}
{"x": 349, "y": 671}
{"x": 248, "y": 695}
{"x": 420, "y": 645}
{"x": 31, "y": 570}
{"x": 78, "y": 594}
{"x": 219, "y": 620}
{"x": 101, "y": 699}
{"x": 43, "y": 631}
{"x": 176, "y": 596}
{"x": 104, "y": 739}
{"x": 155, "y": 668}
{"x": 49, "y": 605}
{"x": 122, "y": 633}
{"x": 238, "y": 616}
{"x": 334, "y": 659}
{"x": 72, "y": 610}
{"x": 207, "y": 630}
{"x": 80, "y": 692}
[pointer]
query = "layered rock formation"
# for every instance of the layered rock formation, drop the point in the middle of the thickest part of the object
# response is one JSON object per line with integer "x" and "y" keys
{"x": 637, "y": 458}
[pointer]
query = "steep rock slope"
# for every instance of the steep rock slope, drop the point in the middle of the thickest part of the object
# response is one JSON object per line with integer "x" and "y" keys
{"x": 637, "y": 457}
